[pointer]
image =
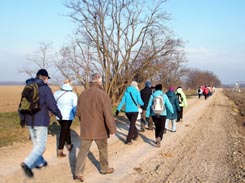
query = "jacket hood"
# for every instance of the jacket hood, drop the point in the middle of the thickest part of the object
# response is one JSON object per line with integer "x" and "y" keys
{"x": 179, "y": 90}
{"x": 66, "y": 87}
{"x": 158, "y": 92}
{"x": 170, "y": 93}
{"x": 39, "y": 82}
{"x": 131, "y": 89}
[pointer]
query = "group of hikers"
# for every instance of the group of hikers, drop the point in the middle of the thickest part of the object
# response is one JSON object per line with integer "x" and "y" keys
{"x": 170, "y": 109}
{"x": 206, "y": 91}
{"x": 97, "y": 123}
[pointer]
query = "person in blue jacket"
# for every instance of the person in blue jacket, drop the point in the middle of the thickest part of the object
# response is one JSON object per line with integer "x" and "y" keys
{"x": 159, "y": 120}
{"x": 131, "y": 99}
{"x": 175, "y": 104}
{"x": 38, "y": 123}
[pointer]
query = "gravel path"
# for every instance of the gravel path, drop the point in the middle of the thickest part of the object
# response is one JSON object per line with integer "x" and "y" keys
{"x": 202, "y": 150}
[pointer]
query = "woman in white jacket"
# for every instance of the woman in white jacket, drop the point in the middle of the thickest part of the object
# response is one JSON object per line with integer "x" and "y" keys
{"x": 67, "y": 103}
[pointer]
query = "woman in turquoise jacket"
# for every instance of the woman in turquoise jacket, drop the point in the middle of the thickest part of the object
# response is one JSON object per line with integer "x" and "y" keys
{"x": 131, "y": 99}
{"x": 159, "y": 119}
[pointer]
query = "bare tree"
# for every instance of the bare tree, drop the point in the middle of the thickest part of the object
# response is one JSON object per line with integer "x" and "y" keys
{"x": 125, "y": 40}
{"x": 41, "y": 58}
{"x": 173, "y": 71}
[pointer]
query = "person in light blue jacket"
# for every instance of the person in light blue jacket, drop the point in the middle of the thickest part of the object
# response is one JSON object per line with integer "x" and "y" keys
{"x": 131, "y": 99}
{"x": 67, "y": 104}
{"x": 160, "y": 119}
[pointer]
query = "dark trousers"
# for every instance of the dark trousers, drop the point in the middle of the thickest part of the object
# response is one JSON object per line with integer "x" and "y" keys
{"x": 180, "y": 114}
{"x": 65, "y": 135}
{"x": 132, "y": 132}
{"x": 159, "y": 125}
{"x": 144, "y": 121}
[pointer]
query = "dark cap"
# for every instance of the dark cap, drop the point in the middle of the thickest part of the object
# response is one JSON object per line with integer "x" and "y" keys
{"x": 43, "y": 72}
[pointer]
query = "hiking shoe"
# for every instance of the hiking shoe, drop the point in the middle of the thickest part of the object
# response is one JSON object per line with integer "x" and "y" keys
{"x": 135, "y": 138}
{"x": 69, "y": 147}
{"x": 78, "y": 178}
{"x": 42, "y": 165}
{"x": 158, "y": 141}
{"x": 128, "y": 143}
{"x": 27, "y": 170}
{"x": 60, "y": 154}
{"x": 108, "y": 171}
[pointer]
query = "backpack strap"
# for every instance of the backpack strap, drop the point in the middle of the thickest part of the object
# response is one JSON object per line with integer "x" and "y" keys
{"x": 61, "y": 95}
{"x": 133, "y": 99}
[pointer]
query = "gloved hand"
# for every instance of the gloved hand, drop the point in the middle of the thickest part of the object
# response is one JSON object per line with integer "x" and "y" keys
{"x": 117, "y": 112}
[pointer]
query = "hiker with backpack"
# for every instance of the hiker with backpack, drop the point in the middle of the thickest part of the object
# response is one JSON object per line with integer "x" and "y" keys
{"x": 199, "y": 92}
{"x": 157, "y": 110}
{"x": 67, "y": 103}
{"x": 131, "y": 99}
{"x": 175, "y": 104}
{"x": 37, "y": 120}
{"x": 145, "y": 95}
{"x": 182, "y": 102}
{"x": 206, "y": 92}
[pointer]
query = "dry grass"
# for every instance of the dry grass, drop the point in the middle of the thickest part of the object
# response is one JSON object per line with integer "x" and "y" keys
{"x": 10, "y": 97}
{"x": 10, "y": 130}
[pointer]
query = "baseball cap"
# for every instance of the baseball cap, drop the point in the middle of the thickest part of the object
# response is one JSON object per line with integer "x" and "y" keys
{"x": 43, "y": 72}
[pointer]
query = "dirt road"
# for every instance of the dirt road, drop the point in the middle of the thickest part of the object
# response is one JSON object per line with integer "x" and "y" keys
{"x": 207, "y": 147}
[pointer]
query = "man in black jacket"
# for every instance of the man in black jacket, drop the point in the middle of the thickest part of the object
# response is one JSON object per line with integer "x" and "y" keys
{"x": 145, "y": 95}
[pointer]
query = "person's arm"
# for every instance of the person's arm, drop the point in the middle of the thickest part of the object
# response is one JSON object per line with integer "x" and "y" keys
{"x": 148, "y": 109}
{"x": 108, "y": 116}
{"x": 52, "y": 104}
{"x": 168, "y": 104}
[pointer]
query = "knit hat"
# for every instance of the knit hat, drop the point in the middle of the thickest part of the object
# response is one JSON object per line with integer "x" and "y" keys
{"x": 66, "y": 87}
{"x": 171, "y": 88}
{"x": 148, "y": 83}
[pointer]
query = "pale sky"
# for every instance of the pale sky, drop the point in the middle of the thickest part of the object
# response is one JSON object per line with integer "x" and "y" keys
{"x": 213, "y": 31}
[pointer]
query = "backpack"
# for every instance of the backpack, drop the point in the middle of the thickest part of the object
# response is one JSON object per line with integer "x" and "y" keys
{"x": 29, "y": 103}
{"x": 179, "y": 97}
{"x": 158, "y": 105}
{"x": 206, "y": 91}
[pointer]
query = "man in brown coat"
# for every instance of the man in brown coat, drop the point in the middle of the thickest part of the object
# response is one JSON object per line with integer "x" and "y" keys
{"x": 96, "y": 124}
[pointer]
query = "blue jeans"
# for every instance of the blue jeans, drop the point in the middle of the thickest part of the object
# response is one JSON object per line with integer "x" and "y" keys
{"x": 39, "y": 136}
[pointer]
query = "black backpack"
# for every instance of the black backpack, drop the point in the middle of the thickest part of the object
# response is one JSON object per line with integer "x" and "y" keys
{"x": 179, "y": 97}
{"x": 29, "y": 103}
